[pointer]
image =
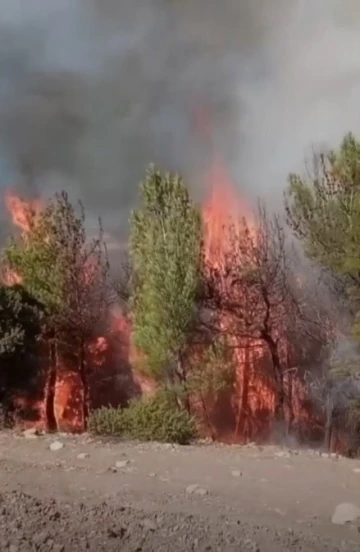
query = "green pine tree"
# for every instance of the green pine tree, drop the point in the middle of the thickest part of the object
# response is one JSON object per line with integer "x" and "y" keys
{"x": 166, "y": 248}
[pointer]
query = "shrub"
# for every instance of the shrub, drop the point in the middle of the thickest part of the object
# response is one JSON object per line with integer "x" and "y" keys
{"x": 157, "y": 418}
{"x": 108, "y": 421}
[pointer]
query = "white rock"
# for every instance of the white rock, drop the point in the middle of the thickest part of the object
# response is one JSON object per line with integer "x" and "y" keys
{"x": 121, "y": 464}
{"x": 356, "y": 470}
{"x": 236, "y": 473}
{"x": 149, "y": 525}
{"x": 196, "y": 489}
{"x": 31, "y": 433}
{"x": 56, "y": 445}
{"x": 83, "y": 455}
{"x": 201, "y": 491}
{"x": 345, "y": 513}
{"x": 283, "y": 454}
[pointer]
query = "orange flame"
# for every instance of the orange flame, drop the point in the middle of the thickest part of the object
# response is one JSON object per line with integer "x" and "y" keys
{"x": 224, "y": 214}
{"x": 11, "y": 278}
{"x": 22, "y": 211}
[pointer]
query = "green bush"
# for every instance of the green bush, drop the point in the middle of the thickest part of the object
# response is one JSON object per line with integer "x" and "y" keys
{"x": 108, "y": 421}
{"x": 157, "y": 418}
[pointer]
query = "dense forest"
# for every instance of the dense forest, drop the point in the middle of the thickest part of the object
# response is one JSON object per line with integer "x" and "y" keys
{"x": 238, "y": 324}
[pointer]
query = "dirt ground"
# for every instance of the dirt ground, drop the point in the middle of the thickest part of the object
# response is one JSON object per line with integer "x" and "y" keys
{"x": 93, "y": 495}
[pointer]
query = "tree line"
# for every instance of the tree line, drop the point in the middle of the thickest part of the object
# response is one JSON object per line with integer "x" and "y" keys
{"x": 290, "y": 284}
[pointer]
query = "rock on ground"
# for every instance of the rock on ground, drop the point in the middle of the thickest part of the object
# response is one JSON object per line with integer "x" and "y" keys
{"x": 28, "y": 523}
{"x": 152, "y": 497}
{"x": 56, "y": 445}
{"x": 346, "y": 513}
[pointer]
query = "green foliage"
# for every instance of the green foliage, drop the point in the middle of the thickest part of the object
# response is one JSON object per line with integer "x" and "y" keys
{"x": 108, "y": 422}
{"x": 20, "y": 318}
{"x": 324, "y": 210}
{"x": 213, "y": 372}
{"x": 36, "y": 256}
{"x": 60, "y": 267}
{"x": 166, "y": 246}
{"x": 157, "y": 418}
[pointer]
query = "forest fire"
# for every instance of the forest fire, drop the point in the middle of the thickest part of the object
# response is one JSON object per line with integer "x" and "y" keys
{"x": 25, "y": 215}
{"x": 226, "y": 213}
{"x": 223, "y": 214}
{"x": 231, "y": 235}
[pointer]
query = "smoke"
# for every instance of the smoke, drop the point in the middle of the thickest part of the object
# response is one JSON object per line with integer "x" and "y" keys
{"x": 91, "y": 91}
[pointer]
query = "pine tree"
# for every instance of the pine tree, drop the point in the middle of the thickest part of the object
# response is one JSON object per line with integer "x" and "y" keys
{"x": 166, "y": 247}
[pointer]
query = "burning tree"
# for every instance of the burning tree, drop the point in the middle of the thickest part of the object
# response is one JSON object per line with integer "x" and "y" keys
{"x": 83, "y": 318}
{"x": 70, "y": 277}
{"x": 248, "y": 293}
{"x": 166, "y": 239}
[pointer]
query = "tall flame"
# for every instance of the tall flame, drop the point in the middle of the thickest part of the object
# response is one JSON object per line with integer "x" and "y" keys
{"x": 22, "y": 213}
{"x": 224, "y": 214}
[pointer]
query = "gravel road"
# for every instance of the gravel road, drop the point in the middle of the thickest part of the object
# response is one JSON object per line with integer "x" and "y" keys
{"x": 67, "y": 493}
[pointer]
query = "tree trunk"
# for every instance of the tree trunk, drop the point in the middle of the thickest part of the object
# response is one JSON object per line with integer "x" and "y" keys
{"x": 290, "y": 389}
{"x": 244, "y": 397}
{"x": 207, "y": 417}
{"x": 280, "y": 414}
{"x": 49, "y": 399}
{"x": 329, "y": 424}
{"x": 328, "y": 435}
{"x": 181, "y": 375}
{"x": 291, "y": 414}
{"x": 85, "y": 387}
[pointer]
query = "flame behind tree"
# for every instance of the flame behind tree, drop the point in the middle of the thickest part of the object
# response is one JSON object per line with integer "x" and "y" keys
{"x": 166, "y": 238}
{"x": 69, "y": 277}
{"x": 249, "y": 288}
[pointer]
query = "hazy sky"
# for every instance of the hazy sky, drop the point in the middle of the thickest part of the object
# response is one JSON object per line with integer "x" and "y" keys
{"x": 91, "y": 91}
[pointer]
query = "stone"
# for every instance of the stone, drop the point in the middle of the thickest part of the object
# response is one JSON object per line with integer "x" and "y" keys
{"x": 250, "y": 545}
{"x": 236, "y": 473}
{"x": 40, "y": 538}
{"x": 122, "y": 464}
{"x": 56, "y": 445}
{"x": 58, "y": 548}
{"x": 196, "y": 489}
{"x": 83, "y": 455}
{"x": 31, "y": 433}
{"x": 345, "y": 513}
{"x": 149, "y": 525}
{"x": 356, "y": 470}
{"x": 283, "y": 454}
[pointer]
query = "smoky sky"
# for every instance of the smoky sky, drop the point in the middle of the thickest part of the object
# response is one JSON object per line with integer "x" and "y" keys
{"x": 92, "y": 91}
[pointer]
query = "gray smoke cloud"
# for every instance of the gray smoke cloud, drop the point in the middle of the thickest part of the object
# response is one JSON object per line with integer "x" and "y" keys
{"x": 91, "y": 91}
